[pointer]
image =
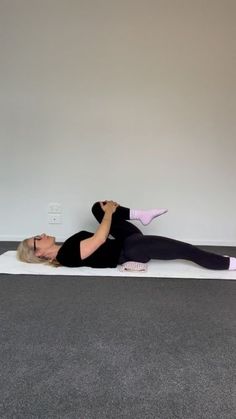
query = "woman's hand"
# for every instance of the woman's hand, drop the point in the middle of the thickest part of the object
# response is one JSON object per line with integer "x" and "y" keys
{"x": 90, "y": 245}
{"x": 109, "y": 206}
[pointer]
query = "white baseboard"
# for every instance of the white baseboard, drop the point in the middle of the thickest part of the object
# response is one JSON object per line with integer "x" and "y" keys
{"x": 203, "y": 242}
{"x": 19, "y": 238}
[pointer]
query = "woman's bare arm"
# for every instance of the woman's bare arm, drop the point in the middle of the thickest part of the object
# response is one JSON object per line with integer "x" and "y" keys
{"x": 90, "y": 245}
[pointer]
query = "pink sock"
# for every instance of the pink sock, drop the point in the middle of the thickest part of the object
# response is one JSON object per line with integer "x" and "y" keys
{"x": 232, "y": 264}
{"x": 146, "y": 216}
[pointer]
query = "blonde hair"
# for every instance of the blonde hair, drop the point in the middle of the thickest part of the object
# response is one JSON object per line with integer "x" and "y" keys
{"x": 25, "y": 253}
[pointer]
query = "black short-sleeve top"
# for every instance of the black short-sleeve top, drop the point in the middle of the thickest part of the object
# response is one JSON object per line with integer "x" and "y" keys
{"x": 106, "y": 256}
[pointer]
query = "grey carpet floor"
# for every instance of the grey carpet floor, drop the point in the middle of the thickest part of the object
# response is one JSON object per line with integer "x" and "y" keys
{"x": 96, "y": 348}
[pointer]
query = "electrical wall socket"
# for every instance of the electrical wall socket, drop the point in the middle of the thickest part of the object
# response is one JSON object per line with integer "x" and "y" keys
{"x": 54, "y": 208}
{"x": 54, "y": 219}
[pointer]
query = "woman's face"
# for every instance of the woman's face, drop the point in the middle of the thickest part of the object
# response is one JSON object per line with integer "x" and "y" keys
{"x": 41, "y": 242}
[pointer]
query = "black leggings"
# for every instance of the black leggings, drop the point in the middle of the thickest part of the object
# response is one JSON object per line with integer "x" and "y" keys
{"x": 142, "y": 248}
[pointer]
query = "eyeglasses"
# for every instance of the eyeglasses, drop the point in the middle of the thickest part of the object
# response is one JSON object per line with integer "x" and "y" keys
{"x": 35, "y": 239}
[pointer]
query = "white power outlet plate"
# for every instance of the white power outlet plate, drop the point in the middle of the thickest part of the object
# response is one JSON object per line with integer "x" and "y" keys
{"x": 54, "y": 219}
{"x": 54, "y": 208}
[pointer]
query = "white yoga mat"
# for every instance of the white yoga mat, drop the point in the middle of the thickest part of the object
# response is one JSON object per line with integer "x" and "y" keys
{"x": 9, "y": 264}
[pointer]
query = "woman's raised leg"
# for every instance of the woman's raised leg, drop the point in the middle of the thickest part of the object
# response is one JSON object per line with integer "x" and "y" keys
{"x": 120, "y": 227}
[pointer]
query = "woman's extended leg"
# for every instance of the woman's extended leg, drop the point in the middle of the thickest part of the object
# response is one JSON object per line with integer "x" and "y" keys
{"x": 120, "y": 227}
{"x": 143, "y": 248}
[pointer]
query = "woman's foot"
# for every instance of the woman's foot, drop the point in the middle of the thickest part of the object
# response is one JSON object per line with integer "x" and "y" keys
{"x": 146, "y": 216}
{"x": 232, "y": 264}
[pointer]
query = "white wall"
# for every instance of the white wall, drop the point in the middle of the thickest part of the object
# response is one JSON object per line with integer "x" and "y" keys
{"x": 128, "y": 100}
